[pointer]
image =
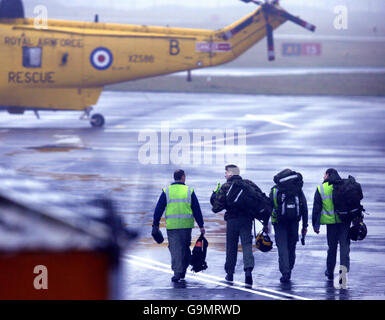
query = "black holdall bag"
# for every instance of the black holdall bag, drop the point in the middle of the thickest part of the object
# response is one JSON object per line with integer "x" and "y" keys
{"x": 347, "y": 196}
{"x": 264, "y": 208}
{"x": 198, "y": 257}
{"x": 242, "y": 197}
{"x": 289, "y": 185}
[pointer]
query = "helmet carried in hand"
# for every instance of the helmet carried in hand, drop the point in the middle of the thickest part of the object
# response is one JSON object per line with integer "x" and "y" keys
{"x": 358, "y": 231}
{"x": 263, "y": 242}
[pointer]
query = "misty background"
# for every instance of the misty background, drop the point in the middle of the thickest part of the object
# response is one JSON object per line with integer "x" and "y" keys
{"x": 361, "y": 45}
{"x": 365, "y": 17}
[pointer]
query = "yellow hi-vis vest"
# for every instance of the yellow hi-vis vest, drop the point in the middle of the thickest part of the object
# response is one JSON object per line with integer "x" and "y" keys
{"x": 178, "y": 210}
{"x": 328, "y": 216}
{"x": 275, "y": 208}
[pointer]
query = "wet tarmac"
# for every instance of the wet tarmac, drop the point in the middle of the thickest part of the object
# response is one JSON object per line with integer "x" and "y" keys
{"x": 279, "y": 72}
{"x": 149, "y": 135}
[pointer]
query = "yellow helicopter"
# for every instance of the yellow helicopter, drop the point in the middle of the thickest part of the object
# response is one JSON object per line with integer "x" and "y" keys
{"x": 66, "y": 65}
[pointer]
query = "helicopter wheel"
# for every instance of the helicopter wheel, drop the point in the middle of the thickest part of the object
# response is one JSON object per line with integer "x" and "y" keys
{"x": 97, "y": 120}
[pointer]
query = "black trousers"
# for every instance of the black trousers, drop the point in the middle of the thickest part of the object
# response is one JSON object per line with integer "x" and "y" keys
{"x": 338, "y": 234}
{"x": 235, "y": 229}
{"x": 286, "y": 237}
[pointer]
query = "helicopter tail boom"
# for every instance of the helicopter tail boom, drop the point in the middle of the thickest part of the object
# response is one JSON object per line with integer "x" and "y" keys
{"x": 243, "y": 34}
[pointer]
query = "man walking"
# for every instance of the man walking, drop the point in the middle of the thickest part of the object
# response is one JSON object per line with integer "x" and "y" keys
{"x": 238, "y": 222}
{"x": 182, "y": 207}
{"x": 336, "y": 230}
{"x": 289, "y": 203}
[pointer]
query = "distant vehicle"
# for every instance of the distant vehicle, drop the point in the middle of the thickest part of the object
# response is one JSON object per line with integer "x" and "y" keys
{"x": 66, "y": 65}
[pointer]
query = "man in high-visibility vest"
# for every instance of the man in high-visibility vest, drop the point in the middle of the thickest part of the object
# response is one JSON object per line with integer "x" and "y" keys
{"x": 337, "y": 232}
{"x": 182, "y": 207}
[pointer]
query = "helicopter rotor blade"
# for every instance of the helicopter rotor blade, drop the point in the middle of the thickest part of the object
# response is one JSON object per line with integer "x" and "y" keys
{"x": 270, "y": 39}
{"x": 253, "y": 1}
{"x": 297, "y": 20}
{"x": 271, "y": 8}
{"x": 270, "y": 42}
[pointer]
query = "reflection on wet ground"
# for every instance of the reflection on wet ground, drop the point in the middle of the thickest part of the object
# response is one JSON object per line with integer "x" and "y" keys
{"x": 54, "y": 148}
{"x": 296, "y": 132}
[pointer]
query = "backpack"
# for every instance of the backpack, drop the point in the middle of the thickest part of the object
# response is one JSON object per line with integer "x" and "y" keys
{"x": 289, "y": 184}
{"x": 198, "y": 257}
{"x": 289, "y": 181}
{"x": 242, "y": 198}
{"x": 347, "y": 196}
{"x": 289, "y": 209}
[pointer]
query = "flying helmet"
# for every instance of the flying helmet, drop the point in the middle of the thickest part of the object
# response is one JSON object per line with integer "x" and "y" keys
{"x": 263, "y": 242}
{"x": 358, "y": 231}
{"x": 157, "y": 234}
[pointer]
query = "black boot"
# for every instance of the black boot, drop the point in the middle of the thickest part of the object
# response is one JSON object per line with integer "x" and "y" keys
{"x": 329, "y": 275}
{"x": 285, "y": 278}
{"x": 176, "y": 277}
{"x": 248, "y": 277}
{"x": 229, "y": 277}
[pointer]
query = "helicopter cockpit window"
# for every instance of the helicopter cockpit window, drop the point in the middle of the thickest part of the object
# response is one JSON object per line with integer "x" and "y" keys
{"x": 32, "y": 57}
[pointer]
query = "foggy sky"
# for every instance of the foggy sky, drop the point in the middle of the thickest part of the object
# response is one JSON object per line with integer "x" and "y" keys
{"x": 371, "y": 5}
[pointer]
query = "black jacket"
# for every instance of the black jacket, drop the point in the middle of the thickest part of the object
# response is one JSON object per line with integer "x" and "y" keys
{"x": 218, "y": 200}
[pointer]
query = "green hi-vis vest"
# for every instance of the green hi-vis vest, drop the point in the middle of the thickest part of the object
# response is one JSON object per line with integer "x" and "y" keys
{"x": 274, "y": 212}
{"x": 328, "y": 216}
{"x": 178, "y": 211}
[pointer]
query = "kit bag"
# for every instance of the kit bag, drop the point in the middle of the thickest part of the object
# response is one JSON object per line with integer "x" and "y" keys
{"x": 198, "y": 257}
{"x": 347, "y": 196}
{"x": 242, "y": 198}
{"x": 289, "y": 181}
{"x": 264, "y": 208}
{"x": 289, "y": 185}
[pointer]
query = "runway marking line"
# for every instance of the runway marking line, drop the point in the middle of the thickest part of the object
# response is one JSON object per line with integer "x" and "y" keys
{"x": 254, "y": 134}
{"x": 150, "y": 264}
{"x": 268, "y": 119}
{"x": 206, "y": 280}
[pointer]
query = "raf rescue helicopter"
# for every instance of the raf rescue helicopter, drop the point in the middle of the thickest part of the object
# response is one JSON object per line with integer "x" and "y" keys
{"x": 65, "y": 65}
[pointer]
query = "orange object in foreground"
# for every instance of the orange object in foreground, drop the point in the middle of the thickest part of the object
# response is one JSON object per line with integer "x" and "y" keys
{"x": 70, "y": 276}
{"x": 55, "y": 246}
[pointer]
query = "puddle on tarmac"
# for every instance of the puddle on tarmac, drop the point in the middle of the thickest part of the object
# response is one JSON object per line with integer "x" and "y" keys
{"x": 57, "y": 148}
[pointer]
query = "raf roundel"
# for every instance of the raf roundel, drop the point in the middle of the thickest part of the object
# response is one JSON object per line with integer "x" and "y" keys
{"x": 101, "y": 58}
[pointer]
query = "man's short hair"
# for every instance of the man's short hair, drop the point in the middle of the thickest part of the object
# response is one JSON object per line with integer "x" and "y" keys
{"x": 233, "y": 169}
{"x": 331, "y": 171}
{"x": 333, "y": 174}
{"x": 178, "y": 174}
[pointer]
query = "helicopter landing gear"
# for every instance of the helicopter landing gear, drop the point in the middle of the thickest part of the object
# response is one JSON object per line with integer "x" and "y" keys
{"x": 97, "y": 120}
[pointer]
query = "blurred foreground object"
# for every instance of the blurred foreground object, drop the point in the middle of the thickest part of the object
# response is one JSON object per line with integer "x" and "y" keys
{"x": 57, "y": 246}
